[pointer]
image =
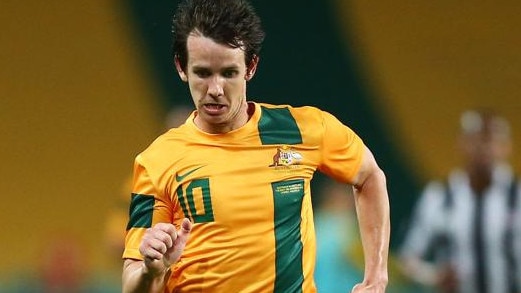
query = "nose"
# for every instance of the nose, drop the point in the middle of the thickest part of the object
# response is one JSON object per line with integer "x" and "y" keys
{"x": 215, "y": 87}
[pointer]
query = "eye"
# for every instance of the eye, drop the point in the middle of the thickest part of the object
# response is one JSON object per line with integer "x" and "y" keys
{"x": 202, "y": 73}
{"x": 230, "y": 73}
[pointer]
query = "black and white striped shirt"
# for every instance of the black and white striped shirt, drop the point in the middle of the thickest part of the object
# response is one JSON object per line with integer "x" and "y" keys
{"x": 450, "y": 214}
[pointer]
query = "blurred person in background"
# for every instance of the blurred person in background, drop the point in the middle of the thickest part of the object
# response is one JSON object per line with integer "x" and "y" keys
{"x": 339, "y": 250}
{"x": 464, "y": 236}
{"x": 223, "y": 202}
{"x": 62, "y": 266}
{"x": 340, "y": 257}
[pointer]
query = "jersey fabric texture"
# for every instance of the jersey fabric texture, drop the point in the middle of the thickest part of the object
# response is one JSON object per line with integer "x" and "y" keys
{"x": 248, "y": 194}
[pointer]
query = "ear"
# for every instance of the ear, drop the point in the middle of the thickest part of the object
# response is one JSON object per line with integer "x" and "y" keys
{"x": 179, "y": 68}
{"x": 250, "y": 71}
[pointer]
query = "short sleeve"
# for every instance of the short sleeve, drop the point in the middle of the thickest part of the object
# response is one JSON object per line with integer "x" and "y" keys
{"x": 342, "y": 150}
{"x": 148, "y": 206}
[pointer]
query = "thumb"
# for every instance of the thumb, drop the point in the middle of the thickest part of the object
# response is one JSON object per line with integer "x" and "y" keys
{"x": 182, "y": 235}
{"x": 174, "y": 253}
{"x": 184, "y": 232}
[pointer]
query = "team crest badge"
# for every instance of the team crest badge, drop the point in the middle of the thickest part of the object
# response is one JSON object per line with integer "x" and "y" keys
{"x": 285, "y": 156}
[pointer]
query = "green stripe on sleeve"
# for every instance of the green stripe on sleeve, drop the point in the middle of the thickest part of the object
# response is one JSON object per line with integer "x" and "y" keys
{"x": 277, "y": 126}
{"x": 141, "y": 209}
{"x": 288, "y": 197}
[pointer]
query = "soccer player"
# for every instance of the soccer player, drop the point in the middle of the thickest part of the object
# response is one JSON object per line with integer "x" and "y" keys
{"x": 222, "y": 203}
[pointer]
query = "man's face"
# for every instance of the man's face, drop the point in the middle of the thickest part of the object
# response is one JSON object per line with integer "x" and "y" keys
{"x": 216, "y": 75}
{"x": 485, "y": 148}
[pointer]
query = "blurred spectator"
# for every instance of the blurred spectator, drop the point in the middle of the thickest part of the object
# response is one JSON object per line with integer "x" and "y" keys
{"x": 62, "y": 267}
{"x": 340, "y": 261}
{"x": 462, "y": 237}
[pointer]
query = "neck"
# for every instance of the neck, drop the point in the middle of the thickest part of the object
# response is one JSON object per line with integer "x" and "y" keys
{"x": 480, "y": 179}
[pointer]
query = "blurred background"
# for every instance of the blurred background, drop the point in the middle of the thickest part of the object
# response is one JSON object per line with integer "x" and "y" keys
{"x": 86, "y": 85}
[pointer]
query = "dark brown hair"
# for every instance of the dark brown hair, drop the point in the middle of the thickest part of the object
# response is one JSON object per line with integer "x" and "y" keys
{"x": 229, "y": 22}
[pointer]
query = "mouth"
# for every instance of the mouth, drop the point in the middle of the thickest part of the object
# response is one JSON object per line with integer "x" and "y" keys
{"x": 214, "y": 108}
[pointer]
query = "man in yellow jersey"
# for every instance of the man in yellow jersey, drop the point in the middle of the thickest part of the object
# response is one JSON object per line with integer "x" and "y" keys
{"x": 222, "y": 203}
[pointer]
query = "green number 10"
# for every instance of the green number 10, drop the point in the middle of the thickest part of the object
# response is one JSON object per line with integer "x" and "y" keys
{"x": 190, "y": 210}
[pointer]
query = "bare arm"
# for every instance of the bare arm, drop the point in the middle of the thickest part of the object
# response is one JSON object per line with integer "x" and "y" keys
{"x": 161, "y": 246}
{"x": 372, "y": 206}
{"x": 137, "y": 278}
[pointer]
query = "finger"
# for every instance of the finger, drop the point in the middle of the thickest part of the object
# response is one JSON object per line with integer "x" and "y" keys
{"x": 151, "y": 254}
{"x": 156, "y": 242}
{"x": 152, "y": 249}
{"x": 169, "y": 233}
{"x": 165, "y": 227}
{"x": 186, "y": 226}
{"x": 184, "y": 231}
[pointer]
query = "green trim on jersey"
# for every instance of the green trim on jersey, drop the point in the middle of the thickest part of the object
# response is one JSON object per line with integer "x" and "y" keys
{"x": 141, "y": 209}
{"x": 277, "y": 126}
{"x": 288, "y": 196}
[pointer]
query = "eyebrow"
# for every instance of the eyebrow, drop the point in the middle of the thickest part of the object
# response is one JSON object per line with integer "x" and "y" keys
{"x": 198, "y": 67}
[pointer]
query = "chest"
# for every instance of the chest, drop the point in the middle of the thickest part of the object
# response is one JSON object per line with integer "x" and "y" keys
{"x": 493, "y": 215}
{"x": 247, "y": 184}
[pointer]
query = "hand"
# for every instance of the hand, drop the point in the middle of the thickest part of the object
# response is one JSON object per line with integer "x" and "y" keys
{"x": 162, "y": 245}
{"x": 447, "y": 279}
{"x": 368, "y": 288}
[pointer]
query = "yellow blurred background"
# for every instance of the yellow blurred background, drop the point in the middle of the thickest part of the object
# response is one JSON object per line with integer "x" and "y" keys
{"x": 76, "y": 107}
{"x": 77, "y": 102}
{"x": 429, "y": 61}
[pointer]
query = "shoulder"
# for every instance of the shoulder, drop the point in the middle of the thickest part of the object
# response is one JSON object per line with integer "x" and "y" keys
{"x": 302, "y": 115}
{"x": 433, "y": 194}
{"x": 298, "y": 110}
{"x": 170, "y": 144}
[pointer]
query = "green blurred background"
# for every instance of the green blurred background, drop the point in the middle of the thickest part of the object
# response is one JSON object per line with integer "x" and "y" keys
{"x": 85, "y": 86}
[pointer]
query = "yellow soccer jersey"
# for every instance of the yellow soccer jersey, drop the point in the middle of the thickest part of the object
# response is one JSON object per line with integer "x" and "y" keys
{"x": 247, "y": 193}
